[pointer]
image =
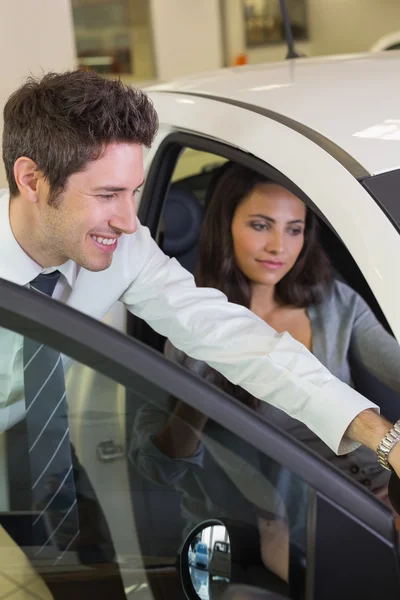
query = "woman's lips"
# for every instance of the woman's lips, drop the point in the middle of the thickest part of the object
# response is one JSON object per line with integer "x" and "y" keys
{"x": 271, "y": 264}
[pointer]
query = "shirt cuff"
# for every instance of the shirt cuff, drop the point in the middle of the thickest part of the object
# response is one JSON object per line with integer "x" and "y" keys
{"x": 335, "y": 406}
{"x": 196, "y": 458}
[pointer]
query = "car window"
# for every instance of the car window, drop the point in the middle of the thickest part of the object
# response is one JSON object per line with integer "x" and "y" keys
{"x": 192, "y": 165}
{"x": 178, "y": 224}
{"x": 383, "y": 188}
{"x": 183, "y": 210}
{"x": 180, "y": 221}
{"x": 130, "y": 472}
{"x": 147, "y": 465}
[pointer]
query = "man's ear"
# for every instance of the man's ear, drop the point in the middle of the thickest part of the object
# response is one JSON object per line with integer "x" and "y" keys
{"x": 27, "y": 177}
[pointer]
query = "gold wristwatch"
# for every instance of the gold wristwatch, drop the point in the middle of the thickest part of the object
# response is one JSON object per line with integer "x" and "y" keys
{"x": 387, "y": 444}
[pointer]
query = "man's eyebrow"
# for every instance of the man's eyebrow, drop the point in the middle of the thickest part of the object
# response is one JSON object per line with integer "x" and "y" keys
{"x": 260, "y": 216}
{"x": 109, "y": 188}
{"x": 114, "y": 188}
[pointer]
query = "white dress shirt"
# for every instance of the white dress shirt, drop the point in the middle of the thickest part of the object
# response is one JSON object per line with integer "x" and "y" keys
{"x": 199, "y": 321}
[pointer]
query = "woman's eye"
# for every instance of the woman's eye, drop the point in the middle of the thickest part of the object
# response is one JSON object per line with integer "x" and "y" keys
{"x": 295, "y": 231}
{"x": 259, "y": 226}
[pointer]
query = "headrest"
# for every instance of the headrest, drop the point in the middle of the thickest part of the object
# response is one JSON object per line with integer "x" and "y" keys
{"x": 183, "y": 218}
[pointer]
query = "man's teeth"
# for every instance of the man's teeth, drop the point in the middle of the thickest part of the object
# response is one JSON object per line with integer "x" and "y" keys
{"x": 105, "y": 241}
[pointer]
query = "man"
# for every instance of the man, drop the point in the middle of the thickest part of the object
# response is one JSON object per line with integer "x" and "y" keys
{"x": 72, "y": 148}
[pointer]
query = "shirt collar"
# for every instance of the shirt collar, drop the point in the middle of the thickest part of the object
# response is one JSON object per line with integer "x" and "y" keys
{"x": 15, "y": 264}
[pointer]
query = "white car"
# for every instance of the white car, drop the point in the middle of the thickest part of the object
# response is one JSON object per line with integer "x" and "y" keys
{"x": 328, "y": 129}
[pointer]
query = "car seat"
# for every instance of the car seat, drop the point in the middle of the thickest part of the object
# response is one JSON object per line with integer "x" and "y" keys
{"x": 182, "y": 221}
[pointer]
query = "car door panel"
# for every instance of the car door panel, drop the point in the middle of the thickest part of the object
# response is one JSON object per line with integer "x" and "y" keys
{"x": 112, "y": 376}
{"x": 365, "y": 578}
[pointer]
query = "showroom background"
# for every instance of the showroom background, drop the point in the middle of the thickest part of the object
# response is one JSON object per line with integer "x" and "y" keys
{"x": 163, "y": 39}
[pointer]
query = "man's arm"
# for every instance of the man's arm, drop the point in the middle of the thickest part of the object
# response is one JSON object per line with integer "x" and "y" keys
{"x": 273, "y": 367}
{"x": 368, "y": 428}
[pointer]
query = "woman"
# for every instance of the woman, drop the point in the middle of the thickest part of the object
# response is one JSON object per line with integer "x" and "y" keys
{"x": 259, "y": 245}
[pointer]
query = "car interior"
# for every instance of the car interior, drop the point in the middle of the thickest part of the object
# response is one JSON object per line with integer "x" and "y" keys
{"x": 179, "y": 230}
{"x": 181, "y": 223}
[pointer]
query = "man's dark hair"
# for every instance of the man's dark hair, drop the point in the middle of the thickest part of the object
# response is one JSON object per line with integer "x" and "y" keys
{"x": 62, "y": 121}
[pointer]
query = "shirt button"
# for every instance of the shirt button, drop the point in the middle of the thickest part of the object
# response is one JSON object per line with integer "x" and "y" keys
{"x": 354, "y": 469}
{"x": 366, "y": 482}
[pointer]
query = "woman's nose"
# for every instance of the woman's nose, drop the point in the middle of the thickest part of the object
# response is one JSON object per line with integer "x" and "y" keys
{"x": 274, "y": 243}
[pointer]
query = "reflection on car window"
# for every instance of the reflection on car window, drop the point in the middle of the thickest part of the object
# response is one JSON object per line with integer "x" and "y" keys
{"x": 219, "y": 475}
{"x": 146, "y": 453}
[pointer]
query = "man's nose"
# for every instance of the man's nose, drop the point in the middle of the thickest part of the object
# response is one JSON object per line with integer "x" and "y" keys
{"x": 274, "y": 243}
{"x": 124, "y": 219}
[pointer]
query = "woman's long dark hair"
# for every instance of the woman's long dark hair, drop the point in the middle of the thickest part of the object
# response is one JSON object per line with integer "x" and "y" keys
{"x": 305, "y": 284}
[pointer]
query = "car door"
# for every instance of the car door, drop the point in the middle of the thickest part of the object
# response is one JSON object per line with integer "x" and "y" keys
{"x": 230, "y": 467}
{"x": 232, "y": 471}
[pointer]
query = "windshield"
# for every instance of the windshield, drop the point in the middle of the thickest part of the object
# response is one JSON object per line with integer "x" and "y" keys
{"x": 202, "y": 549}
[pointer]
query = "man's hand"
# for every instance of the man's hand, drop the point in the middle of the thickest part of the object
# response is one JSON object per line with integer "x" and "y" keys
{"x": 368, "y": 428}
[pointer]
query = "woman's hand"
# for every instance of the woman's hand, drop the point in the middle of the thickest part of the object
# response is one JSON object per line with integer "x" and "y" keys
{"x": 180, "y": 436}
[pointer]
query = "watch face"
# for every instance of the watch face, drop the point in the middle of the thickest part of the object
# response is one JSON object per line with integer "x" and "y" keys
{"x": 394, "y": 492}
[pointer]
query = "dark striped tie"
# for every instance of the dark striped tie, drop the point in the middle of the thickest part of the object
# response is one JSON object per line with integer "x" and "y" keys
{"x": 52, "y": 476}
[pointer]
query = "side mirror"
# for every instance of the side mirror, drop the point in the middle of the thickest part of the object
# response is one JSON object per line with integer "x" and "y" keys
{"x": 205, "y": 561}
{"x": 221, "y": 556}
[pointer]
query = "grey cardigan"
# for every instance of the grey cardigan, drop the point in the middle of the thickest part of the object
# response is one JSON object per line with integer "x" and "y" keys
{"x": 343, "y": 327}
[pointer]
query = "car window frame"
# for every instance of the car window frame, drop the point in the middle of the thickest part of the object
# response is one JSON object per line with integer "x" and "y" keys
{"x": 118, "y": 356}
{"x": 159, "y": 176}
{"x": 159, "y": 180}
{"x": 382, "y": 187}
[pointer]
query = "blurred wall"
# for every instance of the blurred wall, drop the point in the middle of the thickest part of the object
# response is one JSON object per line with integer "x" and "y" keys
{"x": 187, "y": 36}
{"x": 342, "y": 26}
{"x": 336, "y": 27}
{"x": 35, "y": 36}
{"x": 141, "y": 40}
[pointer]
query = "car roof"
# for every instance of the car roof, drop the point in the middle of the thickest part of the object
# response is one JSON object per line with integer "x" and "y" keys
{"x": 353, "y": 100}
